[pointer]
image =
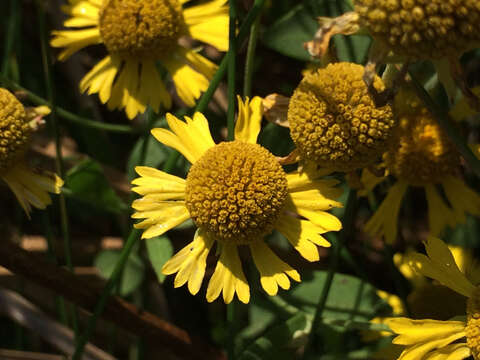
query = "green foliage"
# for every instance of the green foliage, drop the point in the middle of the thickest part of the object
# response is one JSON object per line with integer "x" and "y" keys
{"x": 159, "y": 250}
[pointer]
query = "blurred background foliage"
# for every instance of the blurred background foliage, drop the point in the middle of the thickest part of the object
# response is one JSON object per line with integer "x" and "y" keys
{"x": 100, "y": 163}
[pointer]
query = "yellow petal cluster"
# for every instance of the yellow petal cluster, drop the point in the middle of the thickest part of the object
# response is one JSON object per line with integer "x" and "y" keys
{"x": 141, "y": 28}
{"x": 334, "y": 121}
{"x": 419, "y": 152}
{"x": 14, "y": 130}
{"x": 422, "y": 28}
{"x": 236, "y": 191}
{"x": 472, "y": 329}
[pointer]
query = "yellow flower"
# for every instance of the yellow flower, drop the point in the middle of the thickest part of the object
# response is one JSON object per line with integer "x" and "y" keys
{"x": 453, "y": 339}
{"x": 137, "y": 34}
{"x": 237, "y": 193}
{"x": 420, "y": 155}
{"x": 30, "y": 186}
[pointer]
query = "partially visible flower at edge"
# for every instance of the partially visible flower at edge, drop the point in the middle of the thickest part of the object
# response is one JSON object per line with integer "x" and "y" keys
{"x": 236, "y": 192}
{"x": 137, "y": 35}
{"x": 30, "y": 186}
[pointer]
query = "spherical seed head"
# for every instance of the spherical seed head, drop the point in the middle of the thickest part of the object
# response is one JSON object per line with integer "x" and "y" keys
{"x": 334, "y": 121}
{"x": 419, "y": 151}
{"x": 472, "y": 330}
{"x": 141, "y": 28}
{"x": 236, "y": 191}
{"x": 14, "y": 130}
{"x": 422, "y": 29}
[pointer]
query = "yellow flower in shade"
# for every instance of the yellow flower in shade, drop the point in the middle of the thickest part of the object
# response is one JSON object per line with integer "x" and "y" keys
{"x": 140, "y": 36}
{"x": 454, "y": 339}
{"x": 334, "y": 121}
{"x": 236, "y": 193}
{"x": 30, "y": 186}
{"x": 420, "y": 155}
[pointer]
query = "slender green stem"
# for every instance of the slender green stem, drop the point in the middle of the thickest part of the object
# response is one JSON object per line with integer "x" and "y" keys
{"x": 67, "y": 115}
{"x": 447, "y": 124}
{"x": 348, "y": 219}
{"x": 252, "y": 45}
{"x": 232, "y": 62}
{"x": 10, "y": 34}
{"x": 58, "y": 146}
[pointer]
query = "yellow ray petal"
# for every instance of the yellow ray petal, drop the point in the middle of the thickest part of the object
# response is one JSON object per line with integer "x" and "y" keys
{"x": 154, "y": 182}
{"x": 247, "y": 126}
{"x": 198, "y": 62}
{"x": 228, "y": 277}
{"x": 81, "y": 14}
{"x": 440, "y": 265}
{"x": 191, "y": 138}
{"x": 100, "y": 78}
{"x": 302, "y": 181}
{"x": 321, "y": 197}
{"x": 325, "y": 221}
{"x": 463, "y": 198}
{"x": 420, "y": 351}
{"x": 152, "y": 89}
{"x": 467, "y": 264}
{"x": 160, "y": 220}
{"x": 272, "y": 269}
{"x": 202, "y": 12}
{"x": 450, "y": 352}
{"x": 384, "y": 221}
{"x": 439, "y": 214}
{"x": 31, "y": 187}
{"x": 74, "y": 40}
{"x": 369, "y": 182}
{"x": 189, "y": 83}
{"x": 303, "y": 235}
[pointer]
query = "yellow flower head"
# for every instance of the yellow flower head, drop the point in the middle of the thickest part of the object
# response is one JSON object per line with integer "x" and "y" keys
{"x": 421, "y": 29}
{"x": 138, "y": 34}
{"x": 236, "y": 193}
{"x": 436, "y": 339}
{"x": 334, "y": 121}
{"x": 419, "y": 152}
{"x": 17, "y": 124}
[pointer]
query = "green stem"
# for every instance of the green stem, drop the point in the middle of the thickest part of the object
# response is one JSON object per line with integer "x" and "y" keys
{"x": 67, "y": 115}
{"x": 10, "y": 34}
{"x": 109, "y": 287}
{"x": 447, "y": 124}
{"x": 252, "y": 45}
{"x": 58, "y": 146}
{"x": 232, "y": 62}
{"x": 348, "y": 220}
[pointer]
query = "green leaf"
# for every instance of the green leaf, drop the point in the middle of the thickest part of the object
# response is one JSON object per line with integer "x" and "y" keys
{"x": 277, "y": 342}
{"x": 86, "y": 182}
{"x": 155, "y": 155}
{"x": 159, "y": 250}
{"x": 133, "y": 271}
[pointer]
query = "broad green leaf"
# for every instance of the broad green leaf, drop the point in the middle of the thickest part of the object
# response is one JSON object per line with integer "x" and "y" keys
{"x": 159, "y": 250}
{"x": 155, "y": 154}
{"x": 133, "y": 271}
{"x": 86, "y": 182}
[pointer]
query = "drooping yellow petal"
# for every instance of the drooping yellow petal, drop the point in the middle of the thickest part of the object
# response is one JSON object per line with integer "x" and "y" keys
{"x": 462, "y": 198}
{"x": 439, "y": 214}
{"x": 31, "y": 187}
{"x": 159, "y": 220}
{"x": 425, "y": 349}
{"x": 189, "y": 83}
{"x": 411, "y": 332}
{"x": 369, "y": 182}
{"x": 456, "y": 351}
{"x": 74, "y": 40}
{"x": 302, "y": 235}
{"x": 191, "y": 138}
{"x": 305, "y": 180}
{"x": 384, "y": 221}
{"x": 100, "y": 78}
{"x": 272, "y": 270}
{"x": 325, "y": 221}
{"x": 190, "y": 263}
{"x": 247, "y": 126}
{"x": 440, "y": 265}
{"x": 152, "y": 89}
{"x": 318, "y": 196}
{"x": 155, "y": 182}
{"x": 228, "y": 277}
{"x": 198, "y": 62}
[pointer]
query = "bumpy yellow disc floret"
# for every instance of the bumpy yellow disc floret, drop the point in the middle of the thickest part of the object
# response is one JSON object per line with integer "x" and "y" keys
{"x": 334, "y": 121}
{"x": 422, "y": 28}
{"x": 141, "y": 28}
{"x": 14, "y": 130}
{"x": 472, "y": 329}
{"x": 419, "y": 152}
{"x": 236, "y": 191}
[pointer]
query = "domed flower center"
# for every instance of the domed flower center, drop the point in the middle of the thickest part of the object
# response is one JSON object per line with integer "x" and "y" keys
{"x": 334, "y": 121}
{"x": 472, "y": 330}
{"x": 236, "y": 191}
{"x": 419, "y": 152}
{"x": 141, "y": 27}
{"x": 14, "y": 130}
{"x": 422, "y": 29}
